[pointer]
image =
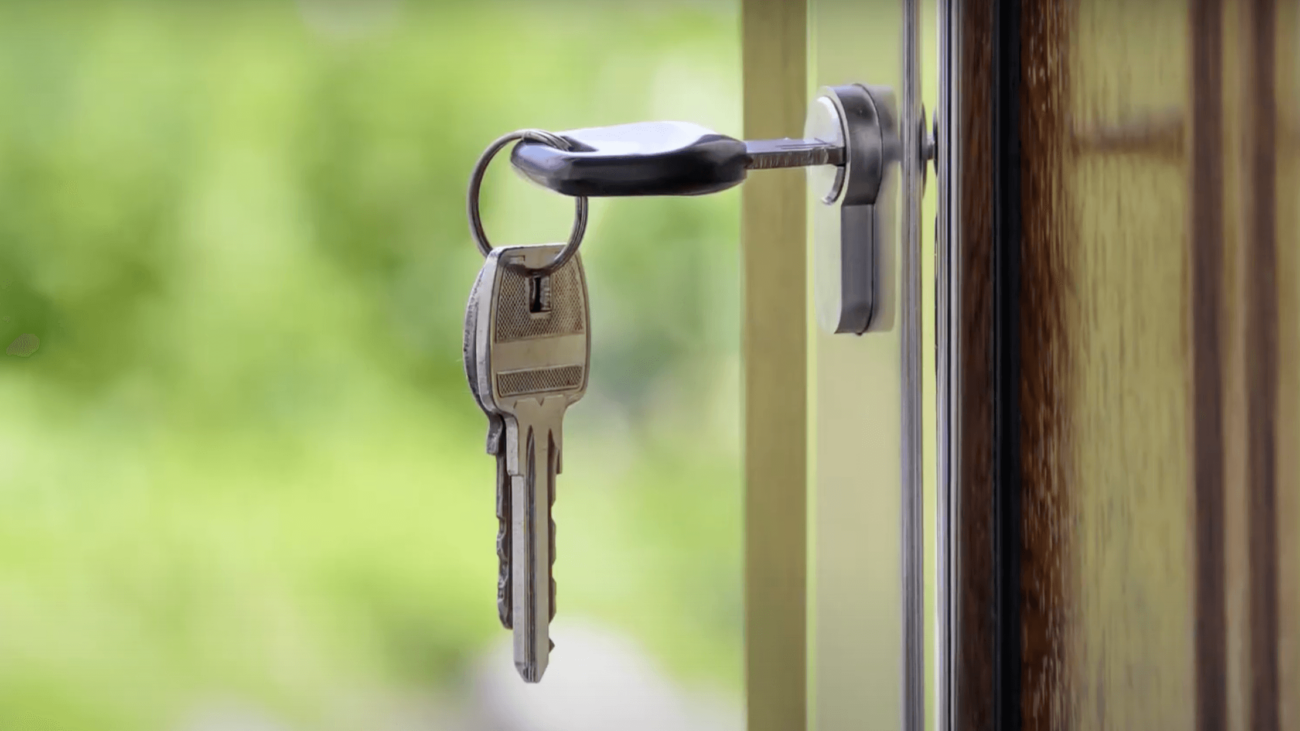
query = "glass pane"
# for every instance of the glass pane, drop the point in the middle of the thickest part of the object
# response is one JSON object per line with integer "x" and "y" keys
{"x": 242, "y": 481}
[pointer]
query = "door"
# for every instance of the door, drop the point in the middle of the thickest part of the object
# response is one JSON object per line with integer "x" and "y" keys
{"x": 1117, "y": 391}
{"x": 1118, "y": 366}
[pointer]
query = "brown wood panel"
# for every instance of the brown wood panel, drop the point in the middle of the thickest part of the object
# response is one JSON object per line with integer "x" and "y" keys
{"x": 1104, "y": 359}
{"x": 1044, "y": 247}
{"x": 1159, "y": 361}
{"x": 974, "y": 586}
{"x": 1048, "y": 250}
{"x": 1206, "y": 247}
{"x": 1257, "y": 301}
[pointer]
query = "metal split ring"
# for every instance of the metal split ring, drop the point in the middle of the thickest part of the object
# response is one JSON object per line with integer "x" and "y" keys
{"x": 476, "y": 182}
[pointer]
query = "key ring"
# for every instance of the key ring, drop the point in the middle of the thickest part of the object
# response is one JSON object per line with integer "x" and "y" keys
{"x": 476, "y": 182}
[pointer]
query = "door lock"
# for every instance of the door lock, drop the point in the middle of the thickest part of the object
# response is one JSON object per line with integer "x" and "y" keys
{"x": 851, "y": 148}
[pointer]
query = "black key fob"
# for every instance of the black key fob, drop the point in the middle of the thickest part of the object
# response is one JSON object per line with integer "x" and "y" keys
{"x": 642, "y": 159}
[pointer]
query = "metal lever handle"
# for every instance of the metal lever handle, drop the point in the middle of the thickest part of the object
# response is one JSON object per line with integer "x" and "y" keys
{"x": 660, "y": 158}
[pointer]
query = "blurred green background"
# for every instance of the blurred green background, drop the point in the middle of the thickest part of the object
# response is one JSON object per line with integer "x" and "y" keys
{"x": 239, "y": 464}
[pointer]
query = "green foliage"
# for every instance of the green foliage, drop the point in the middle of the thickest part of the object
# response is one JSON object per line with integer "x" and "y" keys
{"x": 243, "y": 461}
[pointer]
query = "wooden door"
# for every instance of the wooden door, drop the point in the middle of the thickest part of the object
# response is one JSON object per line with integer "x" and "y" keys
{"x": 1119, "y": 329}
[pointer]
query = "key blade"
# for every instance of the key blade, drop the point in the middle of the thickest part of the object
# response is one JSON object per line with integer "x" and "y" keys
{"x": 772, "y": 154}
{"x": 531, "y": 564}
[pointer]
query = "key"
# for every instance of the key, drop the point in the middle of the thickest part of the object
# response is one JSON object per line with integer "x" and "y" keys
{"x": 661, "y": 158}
{"x": 533, "y": 347}
{"x": 495, "y": 447}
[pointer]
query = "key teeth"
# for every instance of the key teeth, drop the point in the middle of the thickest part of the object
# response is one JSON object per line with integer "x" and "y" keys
{"x": 503, "y": 603}
{"x": 551, "y": 569}
{"x": 503, "y": 544}
{"x": 495, "y": 436}
{"x": 503, "y": 576}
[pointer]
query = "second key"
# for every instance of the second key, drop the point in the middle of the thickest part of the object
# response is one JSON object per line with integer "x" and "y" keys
{"x": 534, "y": 347}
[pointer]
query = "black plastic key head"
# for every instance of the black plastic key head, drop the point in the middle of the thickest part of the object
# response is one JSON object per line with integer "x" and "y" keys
{"x": 645, "y": 158}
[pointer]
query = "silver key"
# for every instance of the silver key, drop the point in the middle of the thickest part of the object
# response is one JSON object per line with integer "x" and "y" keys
{"x": 495, "y": 447}
{"x": 533, "y": 347}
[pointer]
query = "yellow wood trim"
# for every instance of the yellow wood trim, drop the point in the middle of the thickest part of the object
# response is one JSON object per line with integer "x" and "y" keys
{"x": 773, "y": 231}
